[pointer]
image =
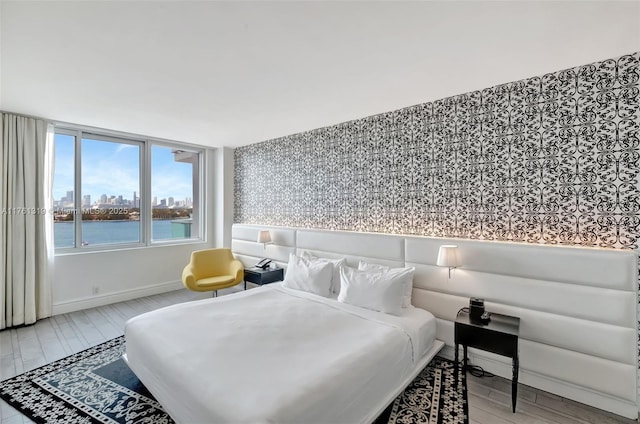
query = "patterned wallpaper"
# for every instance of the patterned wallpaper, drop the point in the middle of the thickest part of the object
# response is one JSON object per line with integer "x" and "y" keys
{"x": 550, "y": 159}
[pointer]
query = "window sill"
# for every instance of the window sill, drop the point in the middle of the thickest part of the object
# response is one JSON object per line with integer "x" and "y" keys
{"x": 117, "y": 248}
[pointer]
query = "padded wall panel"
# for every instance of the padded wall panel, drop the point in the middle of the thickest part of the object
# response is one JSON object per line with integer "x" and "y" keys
{"x": 588, "y": 371}
{"x": 352, "y": 261}
{"x": 444, "y": 331}
{"x": 578, "y": 368}
{"x": 271, "y": 251}
{"x": 386, "y": 247}
{"x": 441, "y": 305}
{"x": 605, "y": 341}
{"x": 591, "y": 303}
{"x": 246, "y": 248}
{"x": 599, "y": 400}
{"x": 247, "y": 261}
{"x": 612, "y": 269}
{"x": 250, "y": 261}
{"x": 279, "y": 236}
{"x": 555, "y": 330}
{"x": 578, "y": 306}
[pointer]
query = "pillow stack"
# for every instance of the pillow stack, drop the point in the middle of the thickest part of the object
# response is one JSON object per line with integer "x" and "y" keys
{"x": 308, "y": 275}
{"x": 336, "y": 264}
{"x": 371, "y": 286}
{"x": 377, "y": 287}
{"x": 406, "y": 274}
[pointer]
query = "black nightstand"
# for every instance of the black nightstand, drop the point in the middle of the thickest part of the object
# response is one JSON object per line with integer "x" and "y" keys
{"x": 499, "y": 336}
{"x": 262, "y": 276}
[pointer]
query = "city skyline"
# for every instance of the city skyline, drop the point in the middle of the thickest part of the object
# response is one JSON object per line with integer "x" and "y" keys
{"x": 68, "y": 201}
{"x": 112, "y": 168}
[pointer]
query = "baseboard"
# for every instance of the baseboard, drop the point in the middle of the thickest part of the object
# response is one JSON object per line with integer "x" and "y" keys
{"x": 597, "y": 400}
{"x": 109, "y": 298}
{"x": 497, "y": 366}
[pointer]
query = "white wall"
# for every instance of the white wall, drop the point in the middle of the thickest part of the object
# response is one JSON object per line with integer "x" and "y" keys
{"x": 125, "y": 274}
{"x": 223, "y": 194}
{"x": 118, "y": 274}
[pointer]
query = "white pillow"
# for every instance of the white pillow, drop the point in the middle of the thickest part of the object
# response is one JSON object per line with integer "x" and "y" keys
{"x": 375, "y": 290}
{"x": 313, "y": 277}
{"x": 407, "y": 272}
{"x": 335, "y": 263}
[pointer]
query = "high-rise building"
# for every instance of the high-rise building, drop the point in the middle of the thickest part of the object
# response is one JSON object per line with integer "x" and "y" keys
{"x": 103, "y": 199}
{"x": 67, "y": 201}
{"x": 86, "y": 201}
{"x": 171, "y": 201}
{"x": 120, "y": 200}
{"x": 136, "y": 201}
{"x": 155, "y": 200}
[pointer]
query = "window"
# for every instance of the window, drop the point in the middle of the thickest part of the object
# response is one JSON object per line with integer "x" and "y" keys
{"x": 109, "y": 183}
{"x": 131, "y": 192}
{"x": 173, "y": 172}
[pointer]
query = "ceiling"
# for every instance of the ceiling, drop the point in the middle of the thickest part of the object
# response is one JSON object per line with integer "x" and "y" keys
{"x": 235, "y": 73}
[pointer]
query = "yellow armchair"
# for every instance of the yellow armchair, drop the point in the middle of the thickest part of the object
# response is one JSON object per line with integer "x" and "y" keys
{"x": 212, "y": 269}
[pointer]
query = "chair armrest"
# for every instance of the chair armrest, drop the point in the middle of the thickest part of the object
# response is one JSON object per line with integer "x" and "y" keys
{"x": 236, "y": 268}
{"x": 188, "y": 276}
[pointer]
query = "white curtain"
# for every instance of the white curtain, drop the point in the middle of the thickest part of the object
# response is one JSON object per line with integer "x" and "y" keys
{"x": 26, "y": 225}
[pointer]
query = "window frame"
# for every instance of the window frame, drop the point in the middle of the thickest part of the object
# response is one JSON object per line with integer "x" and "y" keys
{"x": 198, "y": 192}
{"x": 146, "y": 209}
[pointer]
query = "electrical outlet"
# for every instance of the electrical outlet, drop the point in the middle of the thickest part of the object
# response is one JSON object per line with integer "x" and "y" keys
{"x": 95, "y": 289}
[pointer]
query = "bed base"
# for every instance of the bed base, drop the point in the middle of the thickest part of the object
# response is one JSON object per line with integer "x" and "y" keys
{"x": 431, "y": 353}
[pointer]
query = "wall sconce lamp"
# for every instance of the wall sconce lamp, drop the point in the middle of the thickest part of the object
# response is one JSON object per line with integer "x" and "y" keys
{"x": 448, "y": 256}
{"x": 264, "y": 237}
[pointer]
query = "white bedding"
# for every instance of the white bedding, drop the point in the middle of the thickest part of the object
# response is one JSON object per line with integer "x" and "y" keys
{"x": 275, "y": 355}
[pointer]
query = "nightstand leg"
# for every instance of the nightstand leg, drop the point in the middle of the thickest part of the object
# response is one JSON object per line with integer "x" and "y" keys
{"x": 464, "y": 359}
{"x": 456, "y": 363}
{"x": 514, "y": 383}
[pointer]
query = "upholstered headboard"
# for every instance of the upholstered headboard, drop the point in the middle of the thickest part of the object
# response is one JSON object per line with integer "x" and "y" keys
{"x": 578, "y": 306}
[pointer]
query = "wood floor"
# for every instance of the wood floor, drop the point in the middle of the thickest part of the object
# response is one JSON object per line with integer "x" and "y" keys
{"x": 48, "y": 340}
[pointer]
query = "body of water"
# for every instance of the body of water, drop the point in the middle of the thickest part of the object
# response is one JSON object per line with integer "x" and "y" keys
{"x": 109, "y": 232}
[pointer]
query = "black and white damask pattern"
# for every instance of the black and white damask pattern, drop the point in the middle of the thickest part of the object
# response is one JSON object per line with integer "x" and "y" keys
{"x": 552, "y": 159}
{"x": 70, "y": 391}
{"x": 73, "y": 391}
{"x": 433, "y": 397}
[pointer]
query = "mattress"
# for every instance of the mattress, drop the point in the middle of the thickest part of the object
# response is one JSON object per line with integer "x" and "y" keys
{"x": 273, "y": 354}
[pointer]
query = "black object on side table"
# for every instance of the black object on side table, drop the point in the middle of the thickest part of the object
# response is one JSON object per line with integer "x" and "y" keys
{"x": 262, "y": 276}
{"x": 499, "y": 336}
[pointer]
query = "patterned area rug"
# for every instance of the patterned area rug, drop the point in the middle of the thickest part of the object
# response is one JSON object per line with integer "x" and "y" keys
{"x": 433, "y": 397}
{"x": 97, "y": 386}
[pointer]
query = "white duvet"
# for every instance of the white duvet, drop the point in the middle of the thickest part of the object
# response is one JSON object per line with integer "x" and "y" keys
{"x": 274, "y": 355}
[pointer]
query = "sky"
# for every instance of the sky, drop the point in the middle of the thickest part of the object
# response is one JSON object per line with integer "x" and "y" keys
{"x": 113, "y": 169}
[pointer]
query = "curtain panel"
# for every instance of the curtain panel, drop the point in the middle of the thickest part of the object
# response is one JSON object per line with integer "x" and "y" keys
{"x": 26, "y": 224}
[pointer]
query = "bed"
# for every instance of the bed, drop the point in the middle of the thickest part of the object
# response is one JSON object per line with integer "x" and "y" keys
{"x": 569, "y": 300}
{"x": 274, "y": 354}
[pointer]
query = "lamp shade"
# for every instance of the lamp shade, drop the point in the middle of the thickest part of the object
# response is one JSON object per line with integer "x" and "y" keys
{"x": 448, "y": 256}
{"x": 264, "y": 236}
